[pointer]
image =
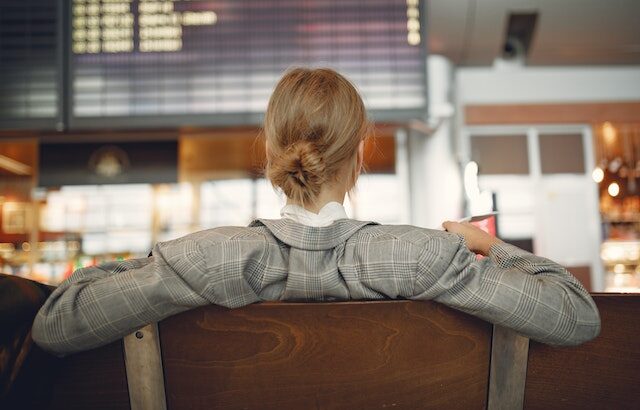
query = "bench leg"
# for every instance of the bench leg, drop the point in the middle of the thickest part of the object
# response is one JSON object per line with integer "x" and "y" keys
{"x": 143, "y": 363}
{"x": 508, "y": 372}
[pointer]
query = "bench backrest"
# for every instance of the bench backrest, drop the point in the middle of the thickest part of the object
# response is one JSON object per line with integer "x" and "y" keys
{"x": 391, "y": 354}
{"x": 601, "y": 374}
{"x": 355, "y": 354}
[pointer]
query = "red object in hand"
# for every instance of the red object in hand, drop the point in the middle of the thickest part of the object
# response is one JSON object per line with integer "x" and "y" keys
{"x": 488, "y": 225}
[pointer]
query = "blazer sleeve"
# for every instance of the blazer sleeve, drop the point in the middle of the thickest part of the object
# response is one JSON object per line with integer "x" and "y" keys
{"x": 511, "y": 287}
{"x": 100, "y": 304}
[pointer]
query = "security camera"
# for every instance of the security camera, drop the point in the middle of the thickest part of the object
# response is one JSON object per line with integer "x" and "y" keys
{"x": 513, "y": 49}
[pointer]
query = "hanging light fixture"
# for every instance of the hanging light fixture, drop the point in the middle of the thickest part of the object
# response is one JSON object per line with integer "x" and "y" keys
{"x": 614, "y": 189}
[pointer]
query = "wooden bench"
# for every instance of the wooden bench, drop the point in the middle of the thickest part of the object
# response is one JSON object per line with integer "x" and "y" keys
{"x": 352, "y": 355}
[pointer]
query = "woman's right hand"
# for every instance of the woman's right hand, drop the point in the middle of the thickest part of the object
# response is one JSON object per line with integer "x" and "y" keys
{"x": 477, "y": 240}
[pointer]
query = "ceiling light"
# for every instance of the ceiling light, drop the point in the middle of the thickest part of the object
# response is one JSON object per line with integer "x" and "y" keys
{"x": 14, "y": 166}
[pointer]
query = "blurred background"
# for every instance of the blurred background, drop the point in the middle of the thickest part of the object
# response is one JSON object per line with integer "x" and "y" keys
{"x": 124, "y": 123}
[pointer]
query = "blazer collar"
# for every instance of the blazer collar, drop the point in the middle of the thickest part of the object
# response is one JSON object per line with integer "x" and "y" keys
{"x": 312, "y": 238}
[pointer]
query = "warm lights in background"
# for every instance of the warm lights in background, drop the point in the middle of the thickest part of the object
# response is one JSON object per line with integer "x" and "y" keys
{"x": 617, "y": 171}
{"x": 613, "y": 189}
{"x": 622, "y": 260}
{"x": 608, "y": 133}
{"x": 598, "y": 175}
{"x": 617, "y": 158}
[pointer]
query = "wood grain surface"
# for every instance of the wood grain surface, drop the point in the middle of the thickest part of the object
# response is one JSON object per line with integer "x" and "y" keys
{"x": 352, "y": 355}
{"x": 552, "y": 113}
{"x": 601, "y": 374}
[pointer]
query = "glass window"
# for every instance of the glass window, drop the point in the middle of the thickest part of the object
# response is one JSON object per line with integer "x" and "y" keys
{"x": 500, "y": 154}
{"x": 561, "y": 154}
{"x": 226, "y": 202}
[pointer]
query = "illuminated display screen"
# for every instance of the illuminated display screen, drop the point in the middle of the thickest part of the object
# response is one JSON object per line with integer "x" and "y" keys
{"x": 213, "y": 62}
{"x": 30, "y": 61}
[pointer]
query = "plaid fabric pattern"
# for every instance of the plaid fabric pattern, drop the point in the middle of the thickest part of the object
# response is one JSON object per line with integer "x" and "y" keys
{"x": 284, "y": 260}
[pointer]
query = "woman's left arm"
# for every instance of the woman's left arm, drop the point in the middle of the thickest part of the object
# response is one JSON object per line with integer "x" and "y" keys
{"x": 510, "y": 287}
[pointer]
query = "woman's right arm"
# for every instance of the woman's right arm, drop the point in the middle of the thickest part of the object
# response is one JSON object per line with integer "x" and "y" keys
{"x": 511, "y": 287}
{"x": 100, "y": 304}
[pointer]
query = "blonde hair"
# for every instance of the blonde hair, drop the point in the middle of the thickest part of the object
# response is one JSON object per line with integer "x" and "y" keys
{"x": 313, "y": 126}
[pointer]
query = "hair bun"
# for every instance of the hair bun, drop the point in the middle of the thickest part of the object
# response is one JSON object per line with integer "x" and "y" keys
{"x": 300, "y": 172}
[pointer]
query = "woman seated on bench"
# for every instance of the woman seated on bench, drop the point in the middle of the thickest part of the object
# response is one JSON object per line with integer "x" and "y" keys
{"x": 315, "y": 127}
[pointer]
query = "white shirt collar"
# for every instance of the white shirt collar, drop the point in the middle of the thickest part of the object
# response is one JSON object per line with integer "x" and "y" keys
{"x": 329, "y": 213}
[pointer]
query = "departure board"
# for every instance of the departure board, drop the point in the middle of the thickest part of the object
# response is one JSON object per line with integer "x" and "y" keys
{"x": 214, "y": 62}
{"x": 30, "y": 60}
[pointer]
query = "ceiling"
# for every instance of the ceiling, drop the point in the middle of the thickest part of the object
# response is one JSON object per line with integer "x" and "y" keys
{"x": 568, "y": 32}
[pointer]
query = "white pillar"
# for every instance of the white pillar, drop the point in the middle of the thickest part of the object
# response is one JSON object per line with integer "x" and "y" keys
{"x": 435, "y": 180}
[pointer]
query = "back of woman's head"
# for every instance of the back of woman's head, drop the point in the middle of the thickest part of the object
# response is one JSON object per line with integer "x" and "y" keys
{"x": 314, "y": 123}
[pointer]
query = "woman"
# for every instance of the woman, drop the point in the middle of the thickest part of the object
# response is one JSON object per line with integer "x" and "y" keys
{"x": 315, "y": 126}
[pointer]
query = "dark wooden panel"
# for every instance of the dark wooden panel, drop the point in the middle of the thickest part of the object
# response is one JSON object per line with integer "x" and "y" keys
{"x": 352, "y": 355}
{"x": 25, "y": 152}
{"x": 489, "y": 114}
{"x": 151, "y": 162}
{"x": 239, "y": 152}
{"x": 583, "y": 274}
{"x": 95, "y": 379}
{"x": 601, "y": 374}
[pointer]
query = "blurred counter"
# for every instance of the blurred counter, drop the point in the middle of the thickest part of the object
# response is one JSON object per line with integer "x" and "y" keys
{"x": 621, "y": 259}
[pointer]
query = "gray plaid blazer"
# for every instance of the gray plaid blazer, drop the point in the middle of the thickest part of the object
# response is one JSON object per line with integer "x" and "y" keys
{"x": 284, "y": 260}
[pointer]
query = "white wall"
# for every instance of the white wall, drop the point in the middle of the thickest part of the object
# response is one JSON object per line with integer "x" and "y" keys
{"x": 489, "y": 85}
{"x": 434, "y": 175}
